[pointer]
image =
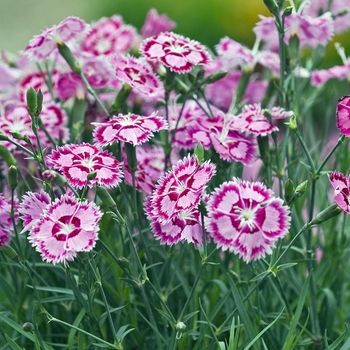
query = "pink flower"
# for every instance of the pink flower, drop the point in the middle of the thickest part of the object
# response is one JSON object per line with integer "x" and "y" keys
{"x": 341, "y": 185}
{"x": 76, "y": 162}
{"x": 343, "y": 115}
{"x": 5, "y": 219}
{"x": 31, "y": 207}
{"x": 70, "y": 85}
{"x": 185, "y": 226}
{"x": 319, "y": 77}
{"x": 131, "y": 128}
{"x": 246, "y": 219}
{"x": 180, "y": 189}
{"x": 139, "y": 75}
{"x": 52, "y": 116}
{"x": 155, "y": 24}
{"x": 43, "y": 46}
{"x": 64, "y": 228}
{"x": 109, "y": 36}
{"x": 175, "y": 51}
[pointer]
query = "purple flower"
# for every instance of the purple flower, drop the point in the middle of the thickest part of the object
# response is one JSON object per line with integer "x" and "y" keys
{"x": 245, "y": 218}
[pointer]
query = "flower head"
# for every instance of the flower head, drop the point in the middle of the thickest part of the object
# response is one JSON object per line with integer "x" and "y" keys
{"x": 131, "y": 128}
{"x": 341, "y": 185}
{"x": 245, "y": 218}
{"x": 5, "y": 219}
{"x": 64, "y": 228}
{"x": 343, "y": 115}
{"x": 175, "y": 51}
{"x": 155, "y": 24}
{"x": 76, "y": 162}
{"x": 180, "y": 189}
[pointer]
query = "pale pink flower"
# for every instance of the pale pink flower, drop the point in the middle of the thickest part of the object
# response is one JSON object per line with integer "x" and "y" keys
{"x": 53, "y": 117}
{"x": 245, "y": 218}
{"x": 343, "y": 115}
{"x": 321, "y": 76}
{"x": 6, "y": 224}
{"x": 109, "y": 36}
{"x": 175, "y": 51}
{"x": 43, "y": 46}
{"x": 139, "y": 75}
{"x": 31, "y": 207}
{"x": 131, "y": 128}
{"x": 185, "y": 226}
{"x": 150, "y": 167}
{"x": 253, "y": 119}
{"x": 77, "y": 161}
{"x": 341, "y": 185}
{"x": 156, "y": 23}
{"x": 180, "y": 189}
{"x": 65, "y": 228}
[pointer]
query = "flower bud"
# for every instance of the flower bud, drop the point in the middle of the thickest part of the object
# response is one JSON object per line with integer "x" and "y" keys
{"x": 199, "y": 152}
{"x": 39, "y": 97}
{"x": 16, "y": 135}
{"x": 120, "y": 99}
{"x": 272, "y": 6}
{"x": 292, "y": 123}
{"x": 288, "y": 11}
{"x": 92, "y": 175}
{"x": 12, "y": 177}
{"x": 54, "y": 177}
{"x": 9, "y": 251}
{"x": 66, "y": 53}
{"x": 31, "y": 101}
{"x": 212, "y": 78}
{"x": 7, "y": 156}
{"x": 288, "y": 191}
{"x": 326, "y": 214}
{"x": 3, "y": 137}
{"x": 180, "y": 326}
{"x": 28, "y": 327}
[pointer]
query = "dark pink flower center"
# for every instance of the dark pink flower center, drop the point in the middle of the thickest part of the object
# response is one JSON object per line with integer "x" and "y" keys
{"x": 66, "y": 227}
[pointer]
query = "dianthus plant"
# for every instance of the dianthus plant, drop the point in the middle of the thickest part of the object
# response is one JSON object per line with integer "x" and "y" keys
{"x": 156, "y": 193}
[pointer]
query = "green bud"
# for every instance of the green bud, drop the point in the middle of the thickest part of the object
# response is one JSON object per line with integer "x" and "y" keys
{"x": 301, "y": 188}
{"x": 16, "y": 135}
{"x": 9, "y": 251}
{"x": 289, "y": 191}
{"x": 199, "y": 152}
{"x": 326, "y": 214}
{"x": 39, "y": 96}
{"x": 292, "y": 123}
{"x": 3, "y": 137}
{"x": 288, "y": 11}
{"x": 28, "y": 327}
{"x": 92, "y": 175}
{"x": 131, "y": 156}
{"x": 212, "y": 78}
{"x": 32, "y": 103}
{"x": 105, "y": 196}
{"x": 12, "y": 177}
{"x": 66, "y": 53}
{"x": 120, "y": 99}
{"x": 264, "y": 149}
{"x": 7, "y": 156}
{"x": 272, "y": 6}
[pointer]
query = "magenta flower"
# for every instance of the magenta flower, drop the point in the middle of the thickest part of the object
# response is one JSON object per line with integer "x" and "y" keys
{"x": 180, "y": 189}
{"x": 43, "y": 46}
{"x": 31, "y": 207}
{"x": 341, "y": 185}
{"x": 155, "y": 24}
{"x": 64, "y": 228}
{"x": 185, "y": 226}
{"x": 139, "y": 75}
{"x": 175, "y": 51}
{"x": 131, "y": 128}
{"x": 109, "y": 36}
{"x": 343, "y": 115}
{"x": 76, "y": 162}
{"x": 245, "y": 218}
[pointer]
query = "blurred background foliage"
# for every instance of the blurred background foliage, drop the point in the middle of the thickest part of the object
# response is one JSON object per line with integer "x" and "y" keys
{"x": 204, "y": 20}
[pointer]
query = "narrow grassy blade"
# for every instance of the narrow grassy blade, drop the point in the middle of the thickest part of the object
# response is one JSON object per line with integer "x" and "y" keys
{"x": 73, "y": 331}
{"x": 13, "y": 344}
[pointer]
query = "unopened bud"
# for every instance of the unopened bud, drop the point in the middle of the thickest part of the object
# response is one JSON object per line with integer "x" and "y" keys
{"x": 32, "y": 101}
{"x": 123, "y": 262}
{"x": 66, "y": 53}
{"x": 199, "y": 152}
{"x": 92, "y": 175}
{"x": 12, "y": 177}
{"x": 120, "y": 99}
{"x": 39, "y": 96}
{"x": 272, "y": 6}
{"x": 289, "y": 191}
{"x": 3, "y": 137}
{"x": 326, "y": 214}
{"x": 16, "y": 135}
{"x": 9, "y": 251}
{"x": 292, "y": 123}
{"x": 28, "y": 327}
{"x": 212, "y": 78}
{"x": 7, "y": 156}
{"x": 288, "y": 11}
{"x": 180, "y": 327}
{"x": 54, "y": 177}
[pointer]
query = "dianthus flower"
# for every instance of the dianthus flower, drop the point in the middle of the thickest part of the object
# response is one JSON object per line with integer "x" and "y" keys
{"x": 77, "y": 161}
{"x": 43, "y": 46}
{"x": 155, "y": 24}
{"x": 341, "y": 185}
{"x": 63, "y": 228}
{"x": 5, "y": 219}
{"x": 253, "y": 119}
{"x": 131, "y": 128}
{"x": 245, "y": 218}
{"x": 180, "y": 189}
{"x": 175, "y": 51}
{"x": 185, "y": 226}
{"x": 343, "y": 115}
{"x": 109, "y": 36}
{"x": 139, "y": 75}
{"x": 52, "y": 116}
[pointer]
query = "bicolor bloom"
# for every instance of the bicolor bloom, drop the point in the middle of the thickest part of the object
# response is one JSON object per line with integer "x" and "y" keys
{"x": 185, "y": 226}
{"x": 155, "y": 24}
{"x": 245, "y": 218}
{"x": 341, "y": 185}
{"x": 178, "y": 53}
{"x": 109, "y": 36}
{"x": 43, "y": 46}
{"x": 180, "y": 189}
{"x": 131, "y": 128}
{"x": 77, "y": 161}
{"x": 5, "y": 219}
{"x": 64, "y": 228}
{"x": 343, "y": 115}
{"x": 321, "y": 76}
{"x": 139, "y": 75}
